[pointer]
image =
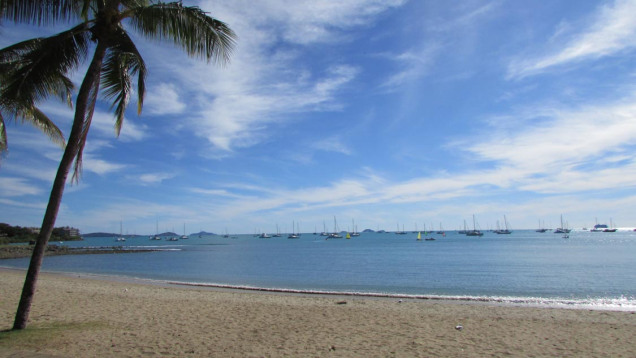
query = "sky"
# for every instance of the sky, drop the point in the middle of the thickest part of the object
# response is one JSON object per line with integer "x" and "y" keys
{"x": 387, "y": 114}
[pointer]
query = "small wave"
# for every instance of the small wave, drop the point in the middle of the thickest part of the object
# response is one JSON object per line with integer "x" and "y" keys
{"x": 609, "y": 304}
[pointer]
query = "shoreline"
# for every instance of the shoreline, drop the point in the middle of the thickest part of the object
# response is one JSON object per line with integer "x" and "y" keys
{"x": 594, "y": 304}
{"x": 139, "y": 317}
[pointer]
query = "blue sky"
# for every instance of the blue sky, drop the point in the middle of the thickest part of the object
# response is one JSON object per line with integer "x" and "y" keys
{"x": 390, "y": 113}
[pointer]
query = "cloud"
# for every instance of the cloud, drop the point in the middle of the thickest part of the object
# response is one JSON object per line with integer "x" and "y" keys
{"x": 163, "y": 99}
{"x": 99, "y": 166}
{"x": 547, "y": 150}
{"x": 267, "y": 81}
{"x": 241, "y": 120}
{"x": 103, "y": 125}
{"x": 307, "y": 21}
{"x": 332, "y": 144}
{"x": 413, "y": 65}
{"x": 611, "y": 31}
{"x": 22, "y": 204}
{"x": 14, "y": 187}
{"x": 568, "y": 137}
{"x": 154, "y": 178}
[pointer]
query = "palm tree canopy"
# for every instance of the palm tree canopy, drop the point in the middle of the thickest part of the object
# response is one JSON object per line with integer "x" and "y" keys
{"x": 35, "y": 69}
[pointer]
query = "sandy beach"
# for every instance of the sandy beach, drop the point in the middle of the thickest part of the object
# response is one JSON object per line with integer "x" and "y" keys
{"x": 79, "y": 316}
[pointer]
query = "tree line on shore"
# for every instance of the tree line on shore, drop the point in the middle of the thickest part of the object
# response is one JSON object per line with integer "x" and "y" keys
{"x": 16, "y": 234}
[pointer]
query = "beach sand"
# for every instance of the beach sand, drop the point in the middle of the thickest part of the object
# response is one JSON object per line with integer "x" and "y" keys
{"x": 75, "y": 316}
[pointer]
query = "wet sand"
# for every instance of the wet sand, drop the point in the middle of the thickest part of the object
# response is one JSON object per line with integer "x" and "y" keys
{"x": 87, "y": 316}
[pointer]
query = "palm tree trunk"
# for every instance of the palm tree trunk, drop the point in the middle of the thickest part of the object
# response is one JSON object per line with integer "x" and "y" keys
{"x": 91, "y": 81}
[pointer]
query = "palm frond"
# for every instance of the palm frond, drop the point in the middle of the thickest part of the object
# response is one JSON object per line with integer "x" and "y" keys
{"x": 34, "y": 69}
{"x": 42, "y": 122}
{"x": 187, "y": 27}
{"x": 41, "y": 12}
{"x": 34, "y": 116}
{"x": 122, "y": 63}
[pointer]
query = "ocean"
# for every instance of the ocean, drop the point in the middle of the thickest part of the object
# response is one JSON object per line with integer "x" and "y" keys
{"x": 592, "y": 270}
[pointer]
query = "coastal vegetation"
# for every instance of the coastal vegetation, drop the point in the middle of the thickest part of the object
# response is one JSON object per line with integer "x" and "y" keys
{"x": 17, "y": 234}
{"x": 36, "y": 68}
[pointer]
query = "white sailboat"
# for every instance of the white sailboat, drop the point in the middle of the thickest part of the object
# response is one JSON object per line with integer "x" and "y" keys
{"x": 293, "y": 234}
{"x": 335, "y": 234}
{"x": 121, "y": 236}
{"x": 474, "y": 231}
{"x": 505, "y": 230}
{"x": 355, "y": 229}
{"x": 156, "y": 236}
{"x": 562, "y": 229}
{"x": 184, "y": 236}
{"x": 277, "y": 234}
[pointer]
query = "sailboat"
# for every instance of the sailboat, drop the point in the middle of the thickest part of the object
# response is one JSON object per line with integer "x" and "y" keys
{"x": 156, "y": 236}
{"x": 184, "y": 236}
{"x": 335, "y": 234}
{"x": 355, "y": 229}
{"x": 398, "y": 232}
{"x": 611, "y": 228}
{"x": 441, "y": 230}
{"x": 562, "y": 229}
{"x": 465, "y": 230}
{"x": 474, "y": 231}
{"x": 277, "y": 234}
{"x": 121, "y": 237}
{"x": 293, "y": 235}
{"x": 505, "y": 230}
{"x": 541, "y": 228}
{"x": 324, "y": 229}
{"x": 419, "y": 236}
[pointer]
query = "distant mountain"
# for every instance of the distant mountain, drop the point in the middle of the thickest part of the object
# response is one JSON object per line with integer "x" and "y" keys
{"x": 168, "y": 233}
{"x": 368, "y": 230}
{"x": 110, "y": 234}
{"x": 99, "y": 234}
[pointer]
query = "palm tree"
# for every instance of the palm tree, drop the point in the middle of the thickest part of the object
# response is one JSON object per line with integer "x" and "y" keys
{"x": 115, "y": 62}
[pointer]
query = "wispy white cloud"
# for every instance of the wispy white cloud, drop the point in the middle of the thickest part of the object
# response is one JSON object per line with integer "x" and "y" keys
{"x": 610, "y": 31}
{"x": 333, "y": 144}
{"x": 34, "y": 170}
{"x": 569, "y": 137}
{"x": 550, "y": 156}
{"x": 265, "y": 83}
{"x": 22, "y": 204}
{"x": 307, "y": 21}
{"x": 413, "y": 65}
{"x": 13, "y": 187}
{"x": 100, "y": 166}
{"x": 163, "y": 99}
{"x": 104, "y": 125}
{"x": 153, "y": 178}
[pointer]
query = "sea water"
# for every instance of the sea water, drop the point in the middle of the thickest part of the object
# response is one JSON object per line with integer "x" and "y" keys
{"x": 589, "y": 269}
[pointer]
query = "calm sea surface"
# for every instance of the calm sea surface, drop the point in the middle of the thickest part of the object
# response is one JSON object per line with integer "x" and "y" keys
{"x": 587, "y": 270}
